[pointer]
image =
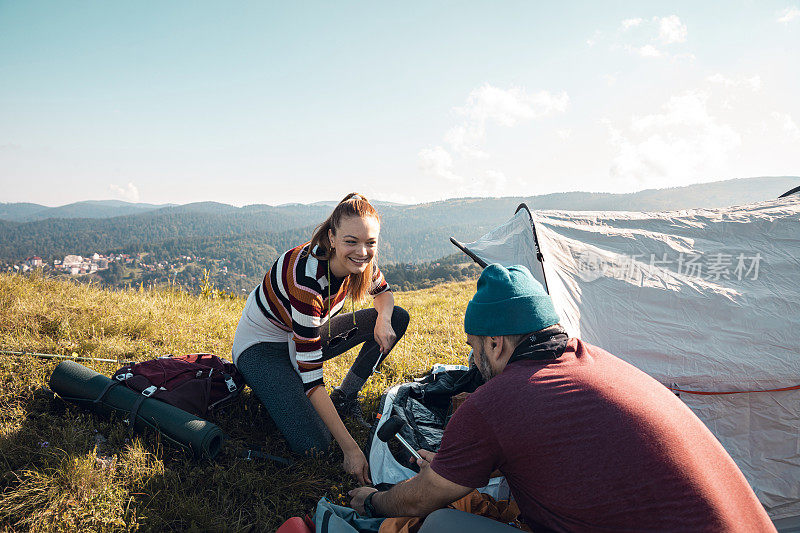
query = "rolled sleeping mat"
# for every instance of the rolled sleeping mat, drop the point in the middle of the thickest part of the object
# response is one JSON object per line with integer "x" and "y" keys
{"x": 84, "y": 386}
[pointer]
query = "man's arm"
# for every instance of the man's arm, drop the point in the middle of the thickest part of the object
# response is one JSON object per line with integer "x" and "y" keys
{"x": 418, "y": 496}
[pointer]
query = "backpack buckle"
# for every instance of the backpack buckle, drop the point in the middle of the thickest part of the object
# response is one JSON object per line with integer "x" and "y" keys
{"x": 230, "y": 383}
{"x": 149, "y": 391}
{"x": 123, "y": 377}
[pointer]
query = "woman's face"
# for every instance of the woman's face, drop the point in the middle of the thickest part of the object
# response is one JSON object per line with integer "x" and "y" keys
{"x": 355, "y": 243}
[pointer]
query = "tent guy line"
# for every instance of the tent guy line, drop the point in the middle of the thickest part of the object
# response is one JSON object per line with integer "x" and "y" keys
{"x": 57, "y": 356}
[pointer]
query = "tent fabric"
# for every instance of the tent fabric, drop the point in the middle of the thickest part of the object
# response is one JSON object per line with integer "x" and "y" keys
{"x": 703, "y": 300}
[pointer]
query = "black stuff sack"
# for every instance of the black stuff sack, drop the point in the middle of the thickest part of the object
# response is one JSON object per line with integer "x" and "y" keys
{"x": 197, "y": 383}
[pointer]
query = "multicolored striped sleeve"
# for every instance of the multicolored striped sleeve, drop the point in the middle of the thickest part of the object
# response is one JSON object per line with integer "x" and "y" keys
{"x": 308, "y": 314}
{"x": 379, "y": 284}
{"x": 307, "y": 318}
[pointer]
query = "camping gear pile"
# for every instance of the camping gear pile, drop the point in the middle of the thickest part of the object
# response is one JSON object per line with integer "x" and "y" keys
{"x": 169, "y": 395}
{"x": 425, "y": 406}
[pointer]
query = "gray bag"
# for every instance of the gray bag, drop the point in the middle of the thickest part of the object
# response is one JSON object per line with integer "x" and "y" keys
{"x": 332, "y": 518}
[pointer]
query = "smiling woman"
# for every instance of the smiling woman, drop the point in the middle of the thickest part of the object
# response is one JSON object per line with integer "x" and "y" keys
{"x": 288, "y": 328}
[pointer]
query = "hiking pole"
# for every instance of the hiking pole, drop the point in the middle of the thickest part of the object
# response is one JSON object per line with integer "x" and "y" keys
{"x": 56, "y": 356}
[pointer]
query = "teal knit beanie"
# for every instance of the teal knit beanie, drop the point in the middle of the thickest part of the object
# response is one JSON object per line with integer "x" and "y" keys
{"x": 509, "y": 301}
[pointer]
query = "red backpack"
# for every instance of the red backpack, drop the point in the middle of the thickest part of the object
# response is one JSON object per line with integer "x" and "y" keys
{"x": 198, "y": 383}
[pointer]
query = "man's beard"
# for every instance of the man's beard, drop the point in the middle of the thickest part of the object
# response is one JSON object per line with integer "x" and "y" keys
{"x": 482, "y": 362}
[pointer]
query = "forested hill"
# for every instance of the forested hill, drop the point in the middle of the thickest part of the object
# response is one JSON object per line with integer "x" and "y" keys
{"x": 410, "y": 233}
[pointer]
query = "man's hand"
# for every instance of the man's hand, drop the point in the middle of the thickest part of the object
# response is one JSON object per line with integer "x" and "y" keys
{"x": 418, "y": 496}
{"x": 357, "y": 497}
{"x": 427, "y": 458}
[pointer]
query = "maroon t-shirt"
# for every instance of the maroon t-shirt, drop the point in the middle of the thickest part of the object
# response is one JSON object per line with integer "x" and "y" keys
{"x": 589, "y": 442}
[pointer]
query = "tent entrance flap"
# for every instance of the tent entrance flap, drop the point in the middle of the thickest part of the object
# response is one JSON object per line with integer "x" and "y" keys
{"x": 481, "y": 263}
{"x": 512, "y": 243}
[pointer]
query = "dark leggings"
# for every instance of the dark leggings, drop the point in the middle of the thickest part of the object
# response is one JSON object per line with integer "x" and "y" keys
{"x": 267, "y": 369}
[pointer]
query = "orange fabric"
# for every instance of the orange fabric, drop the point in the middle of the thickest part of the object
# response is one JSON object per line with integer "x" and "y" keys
{"x": 474, "y": 503}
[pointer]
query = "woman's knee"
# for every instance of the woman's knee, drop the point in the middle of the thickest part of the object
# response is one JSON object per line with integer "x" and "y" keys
{"x": 400, "y": 320}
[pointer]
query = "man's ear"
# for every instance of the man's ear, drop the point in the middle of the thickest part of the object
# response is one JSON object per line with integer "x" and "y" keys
{"x": 494, "y": 346}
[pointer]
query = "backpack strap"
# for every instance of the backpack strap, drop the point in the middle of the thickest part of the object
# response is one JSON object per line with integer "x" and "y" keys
{"x": 146, "y": 393}
{"x": 233, "y": 391}
{"x": 108, "y": 387}
{"x": 99, "y": 398}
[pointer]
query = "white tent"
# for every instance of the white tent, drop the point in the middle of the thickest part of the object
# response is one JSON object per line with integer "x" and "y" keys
{"x": 704, "y": 300}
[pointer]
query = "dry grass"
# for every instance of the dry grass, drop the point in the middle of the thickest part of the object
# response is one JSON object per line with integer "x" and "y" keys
{"x": 62, "y": 468}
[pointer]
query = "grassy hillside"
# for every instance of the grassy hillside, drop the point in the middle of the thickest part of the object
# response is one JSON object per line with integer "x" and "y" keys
{"x": 64, "y": 469}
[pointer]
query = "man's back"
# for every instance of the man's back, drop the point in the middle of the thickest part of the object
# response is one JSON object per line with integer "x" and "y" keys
{"x": 588, "y": 442}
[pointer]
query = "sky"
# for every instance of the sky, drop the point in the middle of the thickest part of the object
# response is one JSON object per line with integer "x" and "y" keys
{"x": 298, "y": 101}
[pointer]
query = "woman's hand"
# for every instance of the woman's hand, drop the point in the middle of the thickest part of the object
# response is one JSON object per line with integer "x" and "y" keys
{"x": 384, "y": 334}
{"x": 355, "y": 464}
{"x": 354, "y": 461}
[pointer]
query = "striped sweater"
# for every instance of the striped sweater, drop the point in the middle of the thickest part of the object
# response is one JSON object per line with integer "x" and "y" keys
{"x": 295, "y": 297}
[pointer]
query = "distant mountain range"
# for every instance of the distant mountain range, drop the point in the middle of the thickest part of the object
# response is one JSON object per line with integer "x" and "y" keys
{"x": 26, "y": 212}
{"x": 409, "y": 232}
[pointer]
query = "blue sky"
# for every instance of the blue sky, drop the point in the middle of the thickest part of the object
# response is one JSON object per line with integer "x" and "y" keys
{"x": 267, "y": 102}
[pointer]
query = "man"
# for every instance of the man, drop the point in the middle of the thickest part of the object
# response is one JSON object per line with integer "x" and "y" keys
{"x": 585, "y": 440}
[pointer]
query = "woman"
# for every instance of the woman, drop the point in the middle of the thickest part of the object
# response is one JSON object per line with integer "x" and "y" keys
{"x": 287, "y": 331}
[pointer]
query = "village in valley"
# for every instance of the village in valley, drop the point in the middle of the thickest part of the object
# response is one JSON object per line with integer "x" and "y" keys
{"x": 122, "y": 270}
{"x": 73, "y": 265}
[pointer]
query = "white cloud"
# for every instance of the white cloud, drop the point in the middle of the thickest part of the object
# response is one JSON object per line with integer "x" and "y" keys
{"x": 651, "y": 36}
{"x": 495, "y": 180}
{"x": 437, "y": 162}
{"x": 649, "y": 50}
{"x": 610, "y": 79}
{"x": 734, "y": 90}
{"x": 484, "y": 106}
{"x": 130, "y": 192}
{"x": 789, "y": 14}
{"x": 564, "y": 134}
{"x": 787, "y": 124}
{"x": 466, "y": 139}
{"x": 490, "y": 183}
{"x": 507, "y": 106}
{"x": 631, "y": 23}
{"x": 753, "y": 83}
{"x": 681, "y": 143}
{"x": 671, "y": 29}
